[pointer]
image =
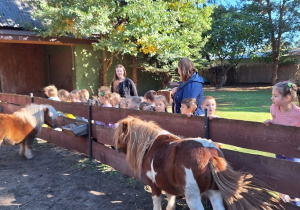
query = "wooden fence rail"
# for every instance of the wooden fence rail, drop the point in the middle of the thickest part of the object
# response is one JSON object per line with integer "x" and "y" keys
{"x": 282, "y": 175}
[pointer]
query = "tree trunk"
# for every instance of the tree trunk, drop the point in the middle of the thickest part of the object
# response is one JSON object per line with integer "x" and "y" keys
{"x": 134, "y": 71}
{"x": 165, "y": 81}
{"x": 274, "y": 71}
{"x": 106, "y": 63}
{"x": 104, "y": 68}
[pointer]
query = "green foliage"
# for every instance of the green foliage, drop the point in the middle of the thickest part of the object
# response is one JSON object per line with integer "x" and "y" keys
{"x": 165, "y": 29}
{"x": 233, "y": 34}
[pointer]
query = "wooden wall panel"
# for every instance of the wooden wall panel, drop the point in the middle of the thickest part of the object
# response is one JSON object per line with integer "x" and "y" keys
{"x": 21, "y": 68}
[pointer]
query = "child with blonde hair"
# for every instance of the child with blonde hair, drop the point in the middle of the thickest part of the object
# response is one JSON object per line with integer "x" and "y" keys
{"x": 285, "y": 112}
{"x": 115, "y": 100}
{"x": 75, "y": 96}
{"x": 84, "y": 95}
{"x": 188, "y": 106}
{"x": 53, "y": 95}
{"x": 64, "y": 95}
{"x": 104, "y": 94}
{"x": 123, "y": 103}
{"x": 47, "y": 88}
{"x": 161, "y": 103}
{"x": 209, "y": 102}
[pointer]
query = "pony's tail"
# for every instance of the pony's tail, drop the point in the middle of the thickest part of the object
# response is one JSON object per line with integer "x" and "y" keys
{"x": 239, "y": 190}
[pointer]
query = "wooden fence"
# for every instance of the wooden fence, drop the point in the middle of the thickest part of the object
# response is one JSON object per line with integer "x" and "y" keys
{"x": 283, "y": 176}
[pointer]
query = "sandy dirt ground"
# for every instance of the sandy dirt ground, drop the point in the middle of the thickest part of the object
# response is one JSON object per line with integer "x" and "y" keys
{"x": 57, "y": 178}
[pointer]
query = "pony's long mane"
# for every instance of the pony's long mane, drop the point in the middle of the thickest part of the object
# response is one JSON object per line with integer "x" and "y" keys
{"x": 139, "y": 137}
{"x": 34, "y": 115}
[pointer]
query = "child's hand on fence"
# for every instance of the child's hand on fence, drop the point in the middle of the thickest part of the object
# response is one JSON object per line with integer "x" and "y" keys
{"x": 189, "y": 114}
{"x": 267, "y": 122}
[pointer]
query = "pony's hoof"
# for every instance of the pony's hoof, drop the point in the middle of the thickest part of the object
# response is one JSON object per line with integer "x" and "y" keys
{"x": 29, "y": 156}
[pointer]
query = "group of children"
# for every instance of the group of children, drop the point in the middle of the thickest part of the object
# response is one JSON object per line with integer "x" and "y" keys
{"x": 63, "y": 95}
{"x": 283, "y": 109}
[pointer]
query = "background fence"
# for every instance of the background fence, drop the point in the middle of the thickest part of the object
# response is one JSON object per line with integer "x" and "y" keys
{"x": 282, "y": 175}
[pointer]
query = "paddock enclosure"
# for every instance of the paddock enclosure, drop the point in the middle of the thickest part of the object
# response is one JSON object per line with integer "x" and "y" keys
{"x": 281, "y": 175}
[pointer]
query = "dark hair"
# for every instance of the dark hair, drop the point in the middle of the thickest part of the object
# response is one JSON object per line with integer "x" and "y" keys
{"x": 190, "y": 103}
{"x": 287, "y": 88}
{"x": 187, "y": 69}
{"x": 150, "y": 95}
{"x": 147, "y": 105}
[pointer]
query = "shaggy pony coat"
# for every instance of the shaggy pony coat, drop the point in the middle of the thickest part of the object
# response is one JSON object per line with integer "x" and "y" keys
{"x": 166, "y": 160}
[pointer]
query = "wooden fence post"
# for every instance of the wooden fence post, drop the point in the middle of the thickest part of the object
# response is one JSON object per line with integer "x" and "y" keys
{"x": 90, "y": 130}
{"x": 206, "y": 125}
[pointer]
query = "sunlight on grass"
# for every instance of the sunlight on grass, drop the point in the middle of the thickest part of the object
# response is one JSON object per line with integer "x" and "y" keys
{"x": 249, "y": 151}
{"x": 246, "y": 116}
{"x": 247, "y": 105}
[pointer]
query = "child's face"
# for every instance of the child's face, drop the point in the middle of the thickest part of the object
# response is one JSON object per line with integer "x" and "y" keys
{"x": 131, "y": 105}
{"x": 147, "y": 108}
{"x": 211, "y": 105}
{"x": 74, "y": 99}
{"x": 278, "y": 99}
{"x": 159, "y": 106}
{"x": 185, "y": 110}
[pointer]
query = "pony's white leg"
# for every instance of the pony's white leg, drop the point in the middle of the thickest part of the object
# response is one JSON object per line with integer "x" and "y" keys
{"x": 22, "y": 149}
{"x": 28, "y": 153}
{"x": 156, "y": 202}
{"x": 171, "y": 201}
{"x": 192, "y": 192}
{"x": 216, "y": 199}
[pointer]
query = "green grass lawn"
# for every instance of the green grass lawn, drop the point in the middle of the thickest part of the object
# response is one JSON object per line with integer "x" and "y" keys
{"x": 247, "y": 105}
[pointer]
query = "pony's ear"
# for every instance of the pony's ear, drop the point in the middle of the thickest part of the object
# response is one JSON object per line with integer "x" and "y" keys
{"x": 124, "y": 126}
{"x": 45, "y": 109}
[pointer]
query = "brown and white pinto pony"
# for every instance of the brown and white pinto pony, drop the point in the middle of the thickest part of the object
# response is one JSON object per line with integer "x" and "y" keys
{"x": 191, "y": 167}
{"x": 22, "y": 126}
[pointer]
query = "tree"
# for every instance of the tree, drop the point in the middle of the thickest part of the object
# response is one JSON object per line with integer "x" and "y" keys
{"x": 232, "y": 35}
{"x": 281, "y": 18}
{"x": 161, "y": 28}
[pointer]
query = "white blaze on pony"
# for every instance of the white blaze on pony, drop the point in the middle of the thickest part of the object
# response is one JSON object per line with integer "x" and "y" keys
{"x": 22, "y": 126}
{"x": 188, "y": 167}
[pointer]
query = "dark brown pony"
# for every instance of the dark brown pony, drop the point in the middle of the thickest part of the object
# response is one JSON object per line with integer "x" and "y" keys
{"x": 22, "y": 126}
{"x": 191, "y": 167}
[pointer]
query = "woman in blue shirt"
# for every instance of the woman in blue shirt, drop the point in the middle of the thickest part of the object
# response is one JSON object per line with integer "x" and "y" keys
{"x": 190, "y": 86}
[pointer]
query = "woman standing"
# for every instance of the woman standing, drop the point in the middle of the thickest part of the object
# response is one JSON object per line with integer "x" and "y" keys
{"x": 121, "y": 84}
{"x": 190, "y": 86}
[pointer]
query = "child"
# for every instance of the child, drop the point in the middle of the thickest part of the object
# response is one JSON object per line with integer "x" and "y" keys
{"x": 145, "y": 106}
{"x": 47, "y": 88}
{"x": 64, "y": 95}
{"x": 161, "y": 103}
{"x": 84, "y": 95}
{"x": 123, "y": 103}
{"x": 209, "y": 102}
{"x": 75, "y": 96}
{"x": 188, "y": 106}
{"x": 149, "y": 97}
{"x": 52, "y": 93}
{"x": 115, "y": 100}
{"x": 134, "y": 102}
{"x": 104, "y": 96}
{"x": 285, "y": 112}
